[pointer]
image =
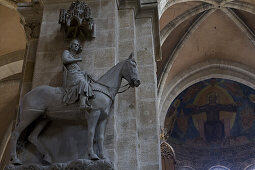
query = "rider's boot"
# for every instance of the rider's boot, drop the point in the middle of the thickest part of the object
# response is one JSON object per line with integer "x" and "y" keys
{"x": 84, "y": 104}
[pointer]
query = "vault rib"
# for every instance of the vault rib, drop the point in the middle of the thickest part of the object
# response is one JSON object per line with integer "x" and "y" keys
{"x": 166, "y": 31}
{"x": 240, "y": 24}
{"x": 170, "y": 3}
{"x": 225, "y": 2}
{"x": 179, "y": 46}
{"x": 241, "y": 6}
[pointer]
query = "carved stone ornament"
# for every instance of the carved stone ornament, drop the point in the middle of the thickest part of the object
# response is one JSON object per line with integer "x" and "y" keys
{"x": 77, "y": 21}
{"x": 32, "y": 30}
{"x": 167, "y": 151}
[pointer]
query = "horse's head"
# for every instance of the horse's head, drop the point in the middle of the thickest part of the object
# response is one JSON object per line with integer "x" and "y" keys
{"x": 130, "y": 71}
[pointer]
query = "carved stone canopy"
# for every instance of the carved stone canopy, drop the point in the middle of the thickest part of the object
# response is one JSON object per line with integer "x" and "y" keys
{"x": 77, "y": 21}
{"x": 167, "y": 151}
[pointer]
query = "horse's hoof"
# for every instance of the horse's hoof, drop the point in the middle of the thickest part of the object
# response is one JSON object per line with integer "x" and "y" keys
{"x": 15, "y": 161}
{"x": 47, "y": 159}
{"x": 93, "y": 157}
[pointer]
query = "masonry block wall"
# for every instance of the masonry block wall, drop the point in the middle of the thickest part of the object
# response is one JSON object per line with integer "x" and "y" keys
{"x": 132, "y": 134}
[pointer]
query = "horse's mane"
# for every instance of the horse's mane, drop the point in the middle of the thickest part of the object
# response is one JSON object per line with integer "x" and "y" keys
{"x": 105, "y": 77}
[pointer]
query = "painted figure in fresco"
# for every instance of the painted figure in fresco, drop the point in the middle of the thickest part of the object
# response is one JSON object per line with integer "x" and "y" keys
{"x": 76, "y": 82}
{"x": 213, "y": 127}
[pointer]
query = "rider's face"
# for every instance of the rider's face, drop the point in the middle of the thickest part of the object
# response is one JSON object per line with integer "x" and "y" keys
{"x": 75, "y": 46}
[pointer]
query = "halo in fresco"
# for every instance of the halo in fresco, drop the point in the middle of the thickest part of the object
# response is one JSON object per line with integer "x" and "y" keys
{"x": 214, "y": 112}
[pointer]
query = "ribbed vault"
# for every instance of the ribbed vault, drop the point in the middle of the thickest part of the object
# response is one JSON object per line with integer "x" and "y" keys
{"x": 206, "y": 29}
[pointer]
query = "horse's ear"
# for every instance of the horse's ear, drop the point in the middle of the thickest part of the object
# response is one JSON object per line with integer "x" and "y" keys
{"x": 131, "y": 56}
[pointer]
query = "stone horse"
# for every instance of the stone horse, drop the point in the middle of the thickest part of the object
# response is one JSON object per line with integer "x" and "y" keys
{"x": 44, "y": 101}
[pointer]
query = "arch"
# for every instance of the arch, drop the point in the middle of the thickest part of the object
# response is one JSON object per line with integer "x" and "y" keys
{"x": 214, "y": 68}
{"x": 166, "y": 31}
{"x": 219, "y": 167}
{"x": 11, "y": 69}
{"x": 185, "y": 168}
{"x": 250, "y": 167}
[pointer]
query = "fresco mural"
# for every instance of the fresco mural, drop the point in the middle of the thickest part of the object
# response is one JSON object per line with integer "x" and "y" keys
{"x": 211, "y": 113}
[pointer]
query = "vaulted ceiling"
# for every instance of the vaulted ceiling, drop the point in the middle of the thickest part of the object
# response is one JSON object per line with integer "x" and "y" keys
{"x": 12, "y": 42}
{"x": 12, "y": 4}
{"x": 193, "y": 31}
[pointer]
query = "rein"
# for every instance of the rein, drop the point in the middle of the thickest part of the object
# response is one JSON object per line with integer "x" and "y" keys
{"x": 125, "y": 89}
{"x": 112, "y": 87}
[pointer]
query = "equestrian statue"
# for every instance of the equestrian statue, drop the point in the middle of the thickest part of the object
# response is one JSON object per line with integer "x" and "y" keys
{"x": 80, "y": 95}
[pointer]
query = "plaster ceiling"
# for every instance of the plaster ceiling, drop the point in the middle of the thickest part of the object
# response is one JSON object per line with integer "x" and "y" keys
{"x": 196, "y": 31}
{"x": 12, "y": 36}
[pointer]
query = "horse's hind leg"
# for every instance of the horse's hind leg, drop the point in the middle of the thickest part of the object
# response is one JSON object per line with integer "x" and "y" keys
{"x": 92, "y": 119}
{"x": 101, "y": 130}
{"x": 33, "y": 138}
{"x": 27, "y": 117}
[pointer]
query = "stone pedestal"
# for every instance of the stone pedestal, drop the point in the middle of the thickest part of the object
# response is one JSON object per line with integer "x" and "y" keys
{"x": 80, "y": 164}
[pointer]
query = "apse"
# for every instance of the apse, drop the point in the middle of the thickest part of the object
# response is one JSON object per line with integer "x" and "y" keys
{"x": 211, "y": 124}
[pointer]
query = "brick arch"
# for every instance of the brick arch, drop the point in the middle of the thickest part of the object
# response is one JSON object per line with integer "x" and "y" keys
{"x": 215, "y": 68}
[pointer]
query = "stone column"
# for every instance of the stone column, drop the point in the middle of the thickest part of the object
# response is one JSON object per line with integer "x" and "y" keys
{"x": 147, "y": 122}
{"x": 137, "y": 133}
{"x": 126, "y": 116}
{"x": 31, "y": 16}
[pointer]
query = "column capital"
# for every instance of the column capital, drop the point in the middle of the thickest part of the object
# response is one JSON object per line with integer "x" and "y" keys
{"x": 31, "y": 18}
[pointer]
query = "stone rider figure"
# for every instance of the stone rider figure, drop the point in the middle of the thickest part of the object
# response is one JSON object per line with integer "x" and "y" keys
{"x": 76, "y": 83}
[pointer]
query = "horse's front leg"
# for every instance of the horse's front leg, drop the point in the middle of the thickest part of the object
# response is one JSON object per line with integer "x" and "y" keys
{"x": 92, "y": 119}
{"x": 101, "y": 131}
{"x": 33, "y": 138}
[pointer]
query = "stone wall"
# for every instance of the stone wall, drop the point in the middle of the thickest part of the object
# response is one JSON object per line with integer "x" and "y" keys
{"x": 234, "y": 158}
{"x": 131, "y": 140}
{"x": 98, "y": 55}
